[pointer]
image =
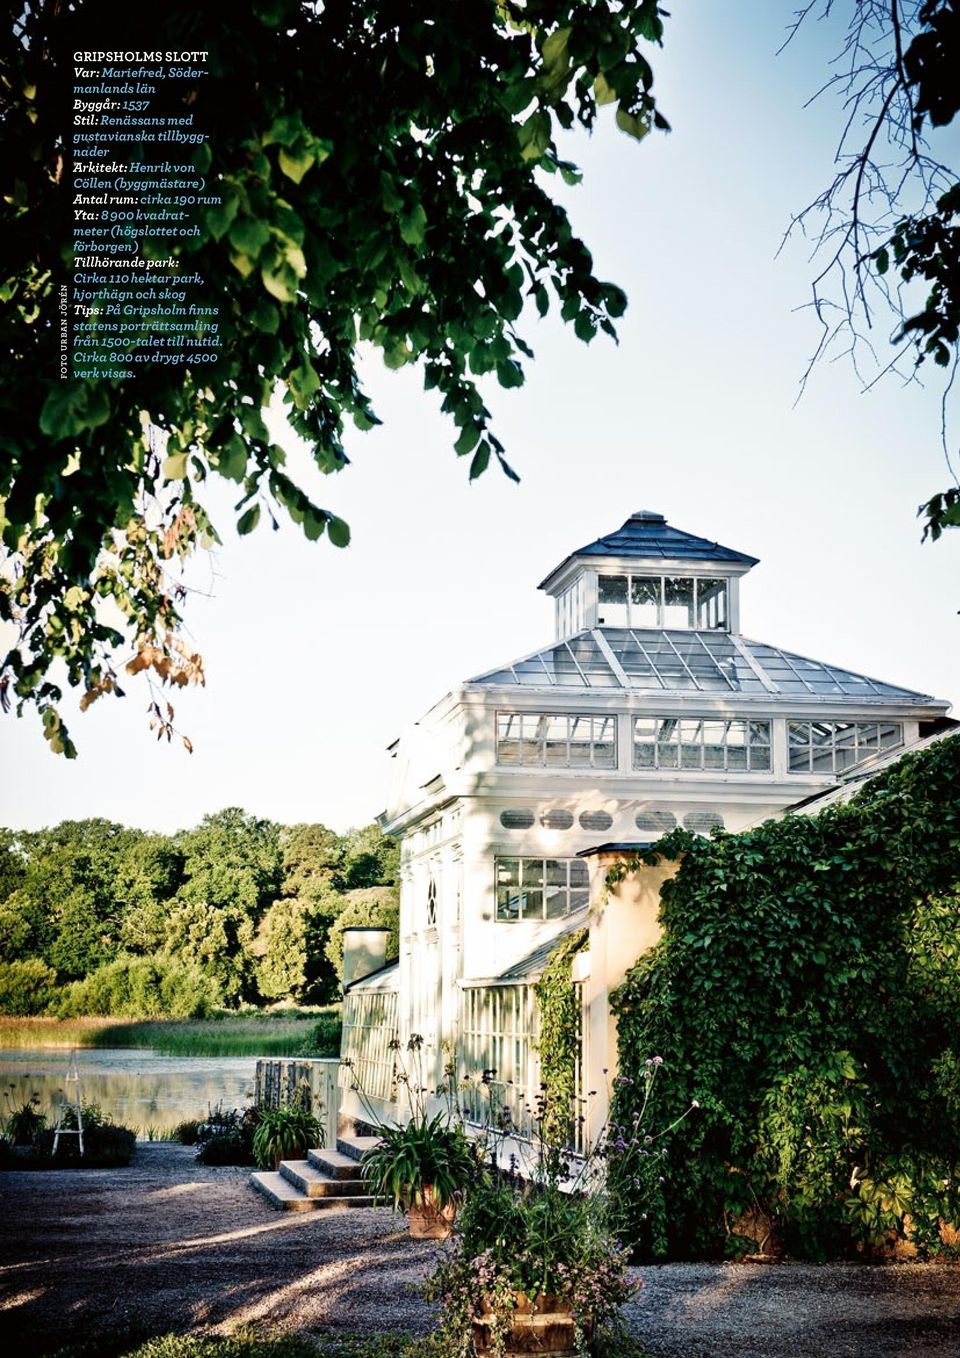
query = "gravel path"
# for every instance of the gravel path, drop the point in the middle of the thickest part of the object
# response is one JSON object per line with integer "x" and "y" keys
{"x": 169, "y": 1245}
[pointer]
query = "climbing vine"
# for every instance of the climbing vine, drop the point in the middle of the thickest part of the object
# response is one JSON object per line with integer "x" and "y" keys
{"x": 804, "y": 991}
{"x": 559, "y": 1042}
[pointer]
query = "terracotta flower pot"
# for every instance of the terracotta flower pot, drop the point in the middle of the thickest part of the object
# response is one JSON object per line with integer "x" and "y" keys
{"x": 540, "y": 1324}
{"x": 428, "y": 1221}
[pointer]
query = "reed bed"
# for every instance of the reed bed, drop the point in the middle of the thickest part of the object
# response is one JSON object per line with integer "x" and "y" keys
{"x": 307, "y": 1032}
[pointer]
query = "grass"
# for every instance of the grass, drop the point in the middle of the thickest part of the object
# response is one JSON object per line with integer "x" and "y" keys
{"x": 278, "y": 1032}
{"x": 248, "y": 1344}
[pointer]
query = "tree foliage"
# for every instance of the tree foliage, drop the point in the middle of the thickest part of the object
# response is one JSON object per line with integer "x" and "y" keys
{"x": 119, "y": 919}
{"x": 376, "y": 907}
{"x": 804, "y": 991}
{"x": 383, "y": 168}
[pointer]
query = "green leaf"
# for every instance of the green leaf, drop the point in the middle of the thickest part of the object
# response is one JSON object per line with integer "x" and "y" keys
{"x": 242, "y": 263}
{"x": 253, "y": 426}
{"x": 304, "y": 384}
{"x": 277, "y": 284}
{"x": 604, "y": 91}
{"x": 220, "y": 218}
{"x": 554, "y": 50}
{"x": 249, "y": 235}
{"x": 469, "y": 437}
{"x": 175, "y": 466}
{"x": 266, "y": 317}
{"x": 413, "y": 225}
{"x": 232, "y": 460}
{"x": 314, "y": 522}
{"x": 636, "y": 125}
{"x": 534, "y": 135}
{"x": 390, "y": 196}
{"x": 509, "y": 373}
{"x": 62, "y": 413}
{"x": 480, "y": 461}
{"x": 295, "y": 166}
{"x": 338, "y": 531}
{"x": 248, "y": 521}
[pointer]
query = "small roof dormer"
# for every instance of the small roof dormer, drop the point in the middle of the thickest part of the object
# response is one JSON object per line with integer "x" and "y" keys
{"x": 648, "y": 574}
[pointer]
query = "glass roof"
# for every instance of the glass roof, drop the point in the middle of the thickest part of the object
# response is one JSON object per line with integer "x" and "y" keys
{"x": 684, "y": 661}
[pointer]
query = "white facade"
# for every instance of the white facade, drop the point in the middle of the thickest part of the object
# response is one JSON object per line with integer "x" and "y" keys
{"x": 649, "y": 709}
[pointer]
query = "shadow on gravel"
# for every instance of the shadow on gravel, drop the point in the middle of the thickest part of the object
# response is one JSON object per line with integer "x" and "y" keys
{"x": 170, "y": 1246}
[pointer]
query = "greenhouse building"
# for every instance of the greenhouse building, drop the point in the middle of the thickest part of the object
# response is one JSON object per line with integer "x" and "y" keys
{"x": 511, "y": 797}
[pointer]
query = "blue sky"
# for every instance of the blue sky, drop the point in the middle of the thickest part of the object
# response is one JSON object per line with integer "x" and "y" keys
{"x": 317, "y": 658}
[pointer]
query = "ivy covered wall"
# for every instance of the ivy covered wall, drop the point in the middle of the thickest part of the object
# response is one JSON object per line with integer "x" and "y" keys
{"x": 807, "y": 992}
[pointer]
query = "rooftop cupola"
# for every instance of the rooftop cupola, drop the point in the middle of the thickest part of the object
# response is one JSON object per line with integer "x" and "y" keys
{"x": 647, "y": 575}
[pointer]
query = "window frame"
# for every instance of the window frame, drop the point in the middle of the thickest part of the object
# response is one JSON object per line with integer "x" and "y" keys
{"x": 656, "y": 744}
{"x": 546, "y": 740}
{"x": 850, "y": 738}
{"x": 661, "y": 601}
{"x": 534, "y": 881}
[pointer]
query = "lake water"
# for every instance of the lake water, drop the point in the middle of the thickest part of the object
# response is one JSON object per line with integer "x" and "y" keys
{"x": 135, "y": 1086}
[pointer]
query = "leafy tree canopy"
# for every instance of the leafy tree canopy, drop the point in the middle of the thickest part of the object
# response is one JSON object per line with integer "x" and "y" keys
{"x": 231, "y": 859}
{"x": 383, "y": 167}
{"x": 242, "y": 903}
{"x": 312, "y": 861}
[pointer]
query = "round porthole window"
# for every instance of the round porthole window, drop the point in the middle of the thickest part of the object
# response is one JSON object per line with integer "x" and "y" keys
{"x": 556, "y": 819}
{"x": 656, "y": 822}
{"x": 702, "y": 822}
{"x": 516, "y": 820}
{"x": 595, "y": 820}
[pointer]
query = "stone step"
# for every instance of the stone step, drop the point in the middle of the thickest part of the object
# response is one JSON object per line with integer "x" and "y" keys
{"x": 335, "y": 1164}
{"x": 354, "y": 1146}
{"x": 279, "y": 1191}
{"x": 316, "y": 1184}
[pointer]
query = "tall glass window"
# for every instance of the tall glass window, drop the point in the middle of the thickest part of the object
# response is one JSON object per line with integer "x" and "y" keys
{"x": 540, "y": 888}
{"x": 704, "y": 743}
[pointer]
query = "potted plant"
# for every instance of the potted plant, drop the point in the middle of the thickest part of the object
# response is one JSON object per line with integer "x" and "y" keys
{"x": 421, "y": 1168}
{"x": 535, "y": 1269}
{"x": 283, "y": 1134}
{"x": 537, "y": 1266}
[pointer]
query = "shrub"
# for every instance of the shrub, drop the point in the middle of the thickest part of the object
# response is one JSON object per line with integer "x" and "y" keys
{"x": 187, "y": 1132}
{"x": 24, "y": 1125}
{"x": 105, "y": 1146}
{"x": 26, "y": 988}
{"x": 283, "y": 1133}
{"x": 226, "y": 1148}
{"x": 142, "y": 987}
{"x": 226, "y": 1138}
{"x": 324, "y": 1037}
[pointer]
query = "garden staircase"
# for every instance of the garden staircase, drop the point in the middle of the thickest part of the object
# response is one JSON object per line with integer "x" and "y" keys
{"x": 328, "y": 1180}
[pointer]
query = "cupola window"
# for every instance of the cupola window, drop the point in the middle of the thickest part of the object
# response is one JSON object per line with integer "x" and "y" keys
{"x": 678, "y": 603}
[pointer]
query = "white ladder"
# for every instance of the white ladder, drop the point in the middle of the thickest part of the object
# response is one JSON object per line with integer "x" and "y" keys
{"x": 72, "y": 1078}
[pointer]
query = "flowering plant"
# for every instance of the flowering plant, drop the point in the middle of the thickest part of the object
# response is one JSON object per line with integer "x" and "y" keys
{"x": 543, "y": 1230}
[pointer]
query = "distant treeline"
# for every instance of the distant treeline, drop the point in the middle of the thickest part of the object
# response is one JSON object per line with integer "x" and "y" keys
{"x": 96, "y": 918}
